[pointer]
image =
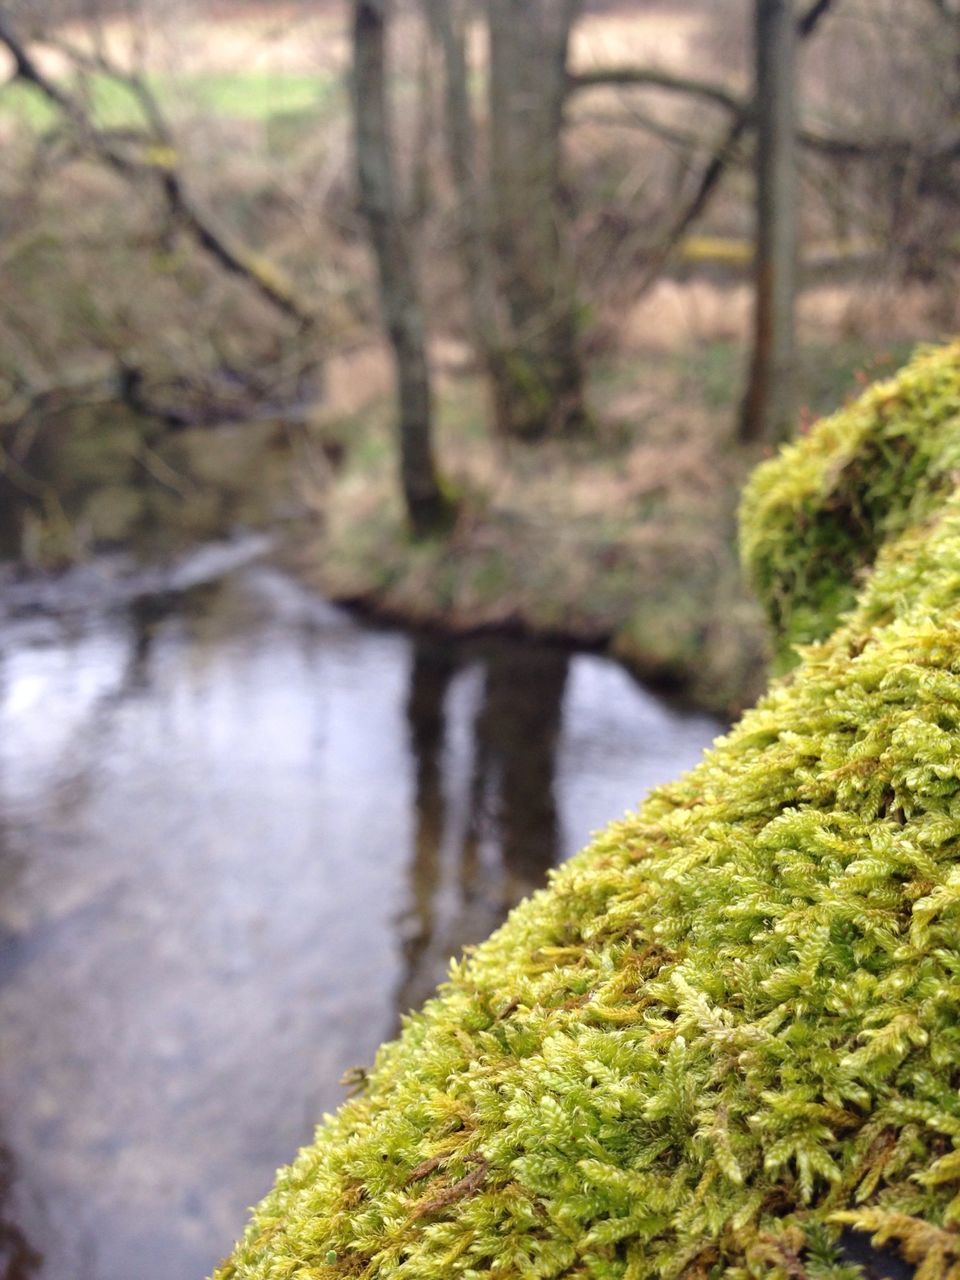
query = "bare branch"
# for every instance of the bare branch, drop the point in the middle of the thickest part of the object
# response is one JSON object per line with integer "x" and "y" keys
{"x": 717, "y": 95}
{"x": 810, "y": 20}
{"x": 135, "y": 84}
{"x": 177, "y": 403}
{"x": 723, "y": 156}
{"x": 653, "y": 78}
{"x": 679, "y": 139}
{"x": 153, "y": 157}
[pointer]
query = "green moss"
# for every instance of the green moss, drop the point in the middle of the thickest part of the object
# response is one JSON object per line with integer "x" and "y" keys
{"x": 814, "y": 518}
{"x": 732, "y": 1024}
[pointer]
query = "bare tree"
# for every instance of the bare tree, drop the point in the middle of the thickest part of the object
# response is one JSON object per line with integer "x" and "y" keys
{"x": 427, "y": 506}
{"x": 770, "y": 402}
{"x": 724, "y": 152}
{"x": 520, "y": 279}
{"x": 542, "y": 391}
{"x": 448, "y": 20}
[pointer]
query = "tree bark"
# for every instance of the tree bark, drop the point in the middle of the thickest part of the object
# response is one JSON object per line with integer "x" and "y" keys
{"x": 770, "y": 400}
{"x": 448, "y": 20}
{"x": 542, "y": 390}
{"x": 427, "y": 507}
{"x": 721, "y": 160}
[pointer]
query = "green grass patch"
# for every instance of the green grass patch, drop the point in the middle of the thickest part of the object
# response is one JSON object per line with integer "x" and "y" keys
{"x": 264, "y": 96}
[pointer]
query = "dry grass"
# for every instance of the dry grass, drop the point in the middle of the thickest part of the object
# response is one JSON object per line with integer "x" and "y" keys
{"x": 623, "y": 539}
{"x": 644, "y": 35}
{"x": 678, "y": 314}
{"x": 313, "y": 35}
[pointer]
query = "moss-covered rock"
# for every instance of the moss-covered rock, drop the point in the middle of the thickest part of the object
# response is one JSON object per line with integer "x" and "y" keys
{"x": 730, "y": 1029}
{"x": 814, "y": 518}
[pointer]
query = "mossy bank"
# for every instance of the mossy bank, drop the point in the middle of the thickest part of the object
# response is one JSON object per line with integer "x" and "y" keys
{"x": 730, "y": 1028}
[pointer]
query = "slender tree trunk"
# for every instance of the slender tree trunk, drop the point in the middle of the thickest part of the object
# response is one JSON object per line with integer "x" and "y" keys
{"x": 542, "y": 391}
{"x": 427, "y": 507}
{"x": 448, "y": 19}
{"x": 421, "y": 196}
{"x": 770, "y": 401}
{"x": 425, "y": 947}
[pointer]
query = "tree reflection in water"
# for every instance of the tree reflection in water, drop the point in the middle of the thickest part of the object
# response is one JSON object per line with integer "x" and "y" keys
{"x": 468, "y": 869}
{"x": 216, "y": 792}
{"x": 18, "y": 1260}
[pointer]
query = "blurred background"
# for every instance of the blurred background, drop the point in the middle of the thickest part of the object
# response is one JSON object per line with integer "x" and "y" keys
{"x": 376, "y": 385}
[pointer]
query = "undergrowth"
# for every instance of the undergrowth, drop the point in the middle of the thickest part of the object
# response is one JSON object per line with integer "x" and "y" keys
{"x": 731, "y": 1026}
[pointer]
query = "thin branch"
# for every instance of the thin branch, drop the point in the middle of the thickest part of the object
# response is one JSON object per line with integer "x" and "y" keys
{"x": 135, "y": 84}
{"x": 653, "y": 78}
{"x": 714, "y": 170}
{"x": 720, "y": 161}
{"x": 657, "y": 78}
{"x": 681, "y": 139}
{"x": 178, "y": 404}
{"x": 155, "y": 159}
{"x": 836, "y": 148}
{"x": 808, "y": 22}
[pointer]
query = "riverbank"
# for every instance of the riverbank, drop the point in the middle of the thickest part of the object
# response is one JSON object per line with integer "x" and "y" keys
{"x": 625, "y": 541}
{"x": 709, "y": 657}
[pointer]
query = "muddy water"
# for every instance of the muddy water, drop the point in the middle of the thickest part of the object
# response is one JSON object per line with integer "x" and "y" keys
{"x": 240, "y": 833}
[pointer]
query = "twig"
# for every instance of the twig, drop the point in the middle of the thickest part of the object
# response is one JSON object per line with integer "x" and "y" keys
{"x": 720, "y": 161}
{"x": 653, "y": 78}
{"x": 157, "y": 161}
{"x": 467, "y": 1185}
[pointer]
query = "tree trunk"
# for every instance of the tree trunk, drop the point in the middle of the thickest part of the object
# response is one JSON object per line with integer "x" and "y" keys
{"x": 448, "y": 19}
{"x": 427, "y": 507}
{"x": 542, "y": 391}
{"x": 769, "y": 404}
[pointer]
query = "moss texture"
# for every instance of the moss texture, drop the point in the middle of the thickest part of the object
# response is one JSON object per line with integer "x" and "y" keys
{"x": 731, "y": 1027}
{"x": 814, "y": 518}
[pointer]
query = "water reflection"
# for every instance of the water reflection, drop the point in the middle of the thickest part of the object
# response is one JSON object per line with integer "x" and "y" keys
{"x": 487, "y": 824}
{"x": 432, "y": 672}
{"x": 18, "y": 1261}
{"x": 238, "y": 834}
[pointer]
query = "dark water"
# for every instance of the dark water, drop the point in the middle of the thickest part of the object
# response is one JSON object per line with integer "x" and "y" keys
{"x": 239, "y": 832}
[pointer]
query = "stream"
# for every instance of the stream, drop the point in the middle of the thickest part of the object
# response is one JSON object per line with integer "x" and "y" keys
{"x": 241, "y": 832}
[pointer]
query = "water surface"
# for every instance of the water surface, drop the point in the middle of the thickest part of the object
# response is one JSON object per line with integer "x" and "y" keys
{"x": 240, "y": 833}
